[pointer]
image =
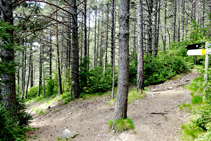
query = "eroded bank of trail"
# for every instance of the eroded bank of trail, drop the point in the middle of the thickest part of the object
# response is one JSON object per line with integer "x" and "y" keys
{"x": 156, "y": 117}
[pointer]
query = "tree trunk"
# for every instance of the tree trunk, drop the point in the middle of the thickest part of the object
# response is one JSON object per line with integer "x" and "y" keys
{"x": 178, "y": 19}
{"x": 175, "y": 17}
{"x": 203, "y": 13}
{"x": 50, "y": 57}
{"x": 165, "y": 17}
{"x": 95, "y": 42}
{"x": 193, "y": 10}
{"x": 149, "y": 32}
{"x": 113, "y": 46}
{"x": 123, "y": 72}
{"x": 75, "y": 52}
{"x": 31, "y": 64}
{"x": 43, "y": 65}
{"x": 8, "y": 93}
{"x": 106, "y": 46}
{"x": 23, "y": 74}
{"x": 155, "y": 29}
{"x": 140, "y": 69}
{"x": 183, "y": 19}
{"x": 112, "y": 35}
{"x": 58, "y": 60}
{"x": 101, "y": 42}
{"x": 40, "y": 72}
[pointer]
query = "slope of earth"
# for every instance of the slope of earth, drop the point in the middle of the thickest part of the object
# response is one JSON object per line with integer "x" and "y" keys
{"x": 156, "y": 117}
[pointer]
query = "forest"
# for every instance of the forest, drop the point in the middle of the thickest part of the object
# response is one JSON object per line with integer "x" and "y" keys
{"x": 98, "y": 54}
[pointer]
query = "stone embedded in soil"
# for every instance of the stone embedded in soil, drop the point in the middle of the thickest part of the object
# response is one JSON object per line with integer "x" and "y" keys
{"x": 170, "y": 88}
{"x": 66, "y": 134}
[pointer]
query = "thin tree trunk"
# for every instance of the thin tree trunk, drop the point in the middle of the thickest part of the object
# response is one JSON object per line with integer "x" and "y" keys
{"x": 58, "y": 60}
{"x": 40, "y": 72}
{"x": 123, "y": 72}
{"x": 113, "y": 46}
{"x": 112, "y": 35}
{"x": 101, "y": 42}
{"x": 178, "y": 19}
{"x": 50, "y": 57}
{"x": 106, "y": 46}
{"x": 203, "y": 13}
{"x": 149, "y": 32}
{"x": 155, "y": 29}
{"x": 165, "y": 17}
{"x": 30, "y": 64}
{"x": 23, "y": 75}
{"x": 95, "y": 42}
{"x": 183, "y": 19}
{"x": 43, "y": 65}
{"x": 158, "y": 28}
{"x": 75, "y": 52}
{"x": 140, "y": 69}
{"x": 175, "y": 17}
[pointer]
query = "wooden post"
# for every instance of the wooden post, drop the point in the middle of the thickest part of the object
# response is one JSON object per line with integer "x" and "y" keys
{"x": 206, "y": 61}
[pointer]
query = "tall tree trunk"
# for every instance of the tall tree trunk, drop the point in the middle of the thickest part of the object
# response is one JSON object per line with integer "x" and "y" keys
{"x": 175, "y": 18}
{"x": 193, "y": 10}
{"x": 178, "y": 19}
{"x": 40, "y": 72}
{"x": 112, "y": 35}
{"x": 75, "y": 52}
{"x": 50, "y": 57}
{"x": 140, "y": 69}
{"x": 43, "y": 65}
{"x": 106, "y": 46}
{"x": 29, "y": 70}
{"x": 203, "y": 13}
{"x": 88, "y": 44}
{"x": 187, "y": 18}
{"x": 183, "y": 19}
{"x": 149, "y": 32}
{"x": 8, "y": 94}
{"x": 101, "y": 42}
{"x": 134, "y": 39}
{"x": 113, "y": 46}
{"x": 95, "y": 42}
{"x": 23, "y": 74}
{"x": 31, "y": 64}
{"x": 158, "y": 28}
{"x": 165, "y": 17}
{"x": 58, "y": 60}
{"x": 155, "y": 29}
{"x": 123, "y": 72}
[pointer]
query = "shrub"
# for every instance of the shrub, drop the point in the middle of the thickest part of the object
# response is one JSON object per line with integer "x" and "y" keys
{"x": 50, "y": 87}
{"x": 197, "y": 99}
{"x": 14, "y": 127}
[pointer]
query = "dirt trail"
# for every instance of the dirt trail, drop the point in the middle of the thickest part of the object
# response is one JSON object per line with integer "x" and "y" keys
{"x": 90, "y": 117}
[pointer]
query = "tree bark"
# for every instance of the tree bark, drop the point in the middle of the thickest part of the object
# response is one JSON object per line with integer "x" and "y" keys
{"x": 149, "y": 30}
{"x": 23, "y": 74}
{"x": 123, "y": 72}
{"x": 58, "y": 60}
{"x": 112, "y": 35}
{"x": 106, "y": 46}
{"x": 8, "y": 93}
{"x": 140, "y": 69}
{"x": 155, "y": 31}
{"x": 113, "y": 47}
{"x": 50, "y": 57}
{"x": 178, "y": 19}
{"x": 75, "y": 52}
{"x": 95, "y": 40}
{"x": 40, "y": 72}
{"x": 175, "y": 18}
{"x": 183, "y": 19}
{"x": 165, "y": 17}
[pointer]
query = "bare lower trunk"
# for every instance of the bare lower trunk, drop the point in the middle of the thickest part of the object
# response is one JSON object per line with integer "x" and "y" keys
{"x": 140, "y": 69}
{"x": 106, "y": 46}
{"x": 123, "y": 72}
{"x": 75, "y": 52}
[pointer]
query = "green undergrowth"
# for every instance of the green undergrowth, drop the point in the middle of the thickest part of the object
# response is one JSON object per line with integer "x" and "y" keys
{"x": 132, "y": 95}
{"x": 122, "y": 124}
{"x": 199, "y": 126}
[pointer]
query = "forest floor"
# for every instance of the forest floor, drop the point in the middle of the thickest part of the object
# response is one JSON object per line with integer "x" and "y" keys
{"x": 156, "y": 117}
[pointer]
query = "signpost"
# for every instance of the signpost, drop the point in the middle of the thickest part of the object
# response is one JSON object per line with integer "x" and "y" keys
{"x": 199, "y": 49}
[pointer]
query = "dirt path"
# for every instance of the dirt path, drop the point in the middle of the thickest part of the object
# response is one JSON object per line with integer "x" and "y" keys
{"x": 89, "y": 118}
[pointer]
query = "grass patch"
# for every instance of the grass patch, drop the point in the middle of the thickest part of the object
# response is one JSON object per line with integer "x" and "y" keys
{"x": 122, "y": 124}
{"x": 134, "y": 95}
{"x": 197, "y": 99}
